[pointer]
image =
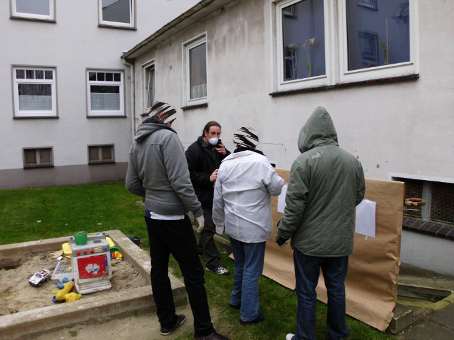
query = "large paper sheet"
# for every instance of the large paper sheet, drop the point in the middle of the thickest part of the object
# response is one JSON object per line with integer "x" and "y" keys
{"x": 371, "y": 287}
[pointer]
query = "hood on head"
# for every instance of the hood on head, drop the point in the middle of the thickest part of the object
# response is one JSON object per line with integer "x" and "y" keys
{"x": 318, "y": 130}
{"x": 146, "y": 129}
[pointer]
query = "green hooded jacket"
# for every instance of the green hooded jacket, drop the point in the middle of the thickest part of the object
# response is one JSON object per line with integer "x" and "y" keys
{"x": 326, "y": 184}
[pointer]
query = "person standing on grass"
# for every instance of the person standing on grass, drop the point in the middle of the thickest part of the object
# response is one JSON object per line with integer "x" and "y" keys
{"x": 326, "y": 184}
{"x": 242, "y": 206}
{"x": 204, "y": 158}
{"x": 157, "y": 171}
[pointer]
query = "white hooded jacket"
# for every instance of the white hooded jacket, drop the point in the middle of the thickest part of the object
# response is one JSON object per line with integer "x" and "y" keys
{"x": 242, "y": 197}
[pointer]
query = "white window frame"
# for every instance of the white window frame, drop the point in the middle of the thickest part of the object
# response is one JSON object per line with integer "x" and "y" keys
{"x": 145, "y": 67}
{"x": 187, "y": 46}
{"x": 378, "y": 72}
{"x": 336, "y": 54}
{"x": 132, "y": 17}
{"x": 106, "y": 113}
{"x": 316, "y": 81}
{"x": 16, "y": 14}
{"x": 52, "y": 82}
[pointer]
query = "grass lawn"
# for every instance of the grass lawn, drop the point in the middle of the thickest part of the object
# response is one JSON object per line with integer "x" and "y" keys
{"x": 31, "y": 214}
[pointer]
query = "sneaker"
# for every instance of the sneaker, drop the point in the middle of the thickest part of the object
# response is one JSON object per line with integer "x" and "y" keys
{"x": 258, "y": 319}
{"x": 213, "y": 336}
{"x": 220, "y": 270}
{"x": 289, "y": 336}
{"x": 179, "y": 321}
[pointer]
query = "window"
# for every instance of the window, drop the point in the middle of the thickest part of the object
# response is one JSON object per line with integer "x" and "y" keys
{"x": 33, "y": 9}
{"x": 38, "y": 158}
{"x": 149, "y": 85}
{"x": 429, "y": 200}
{"x": 116, "y": 13}
{"x": 101, "y": 154}
{"x": 325, "y": 42}
{"x": 195, "y": 55}
{"x": 34, "y": 92}
{"x": 105, "y": 93}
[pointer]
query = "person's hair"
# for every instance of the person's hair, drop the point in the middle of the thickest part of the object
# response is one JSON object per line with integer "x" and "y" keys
{"x": 209, "y": 125}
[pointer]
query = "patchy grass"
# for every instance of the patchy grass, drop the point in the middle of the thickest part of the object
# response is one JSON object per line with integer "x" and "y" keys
{"x": 40, "y": 213}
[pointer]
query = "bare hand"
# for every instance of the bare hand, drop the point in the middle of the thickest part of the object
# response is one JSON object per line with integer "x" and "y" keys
{"x": 221, "y": 149}
{"x": 214, "y": 176}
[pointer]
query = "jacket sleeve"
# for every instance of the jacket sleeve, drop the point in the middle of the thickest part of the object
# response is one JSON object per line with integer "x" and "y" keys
{"x": 273, "y": 181}
{"x": 295, "y": 202}
{"x": 198, "y": 178}
{"x": 133, "y": 183}
{"x": 360, "y": 184}
{"x": 218, "y": 208}
{"x": 178, "y": 174}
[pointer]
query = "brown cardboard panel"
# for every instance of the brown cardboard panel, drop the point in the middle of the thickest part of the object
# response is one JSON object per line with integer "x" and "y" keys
{"x": 374, "y": 266}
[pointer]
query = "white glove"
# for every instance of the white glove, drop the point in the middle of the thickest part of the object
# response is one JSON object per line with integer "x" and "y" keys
{"x": 201, "y": 223}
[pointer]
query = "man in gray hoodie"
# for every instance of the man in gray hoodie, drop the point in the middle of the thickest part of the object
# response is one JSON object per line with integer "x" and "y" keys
{"x": 326, "y": 184}
{"x": 157, "y": 171}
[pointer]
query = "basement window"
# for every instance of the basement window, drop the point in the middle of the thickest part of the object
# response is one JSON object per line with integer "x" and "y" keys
{"x": 101, "y": 154}
{"x": 38, "y": 158}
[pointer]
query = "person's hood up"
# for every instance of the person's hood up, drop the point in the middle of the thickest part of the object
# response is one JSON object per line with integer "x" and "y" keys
{"x": 146, "y": 129}
{"x": 318, "y": 130}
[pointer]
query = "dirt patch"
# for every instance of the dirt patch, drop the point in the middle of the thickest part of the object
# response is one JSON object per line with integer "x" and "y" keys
{"x": 16, "y": 295}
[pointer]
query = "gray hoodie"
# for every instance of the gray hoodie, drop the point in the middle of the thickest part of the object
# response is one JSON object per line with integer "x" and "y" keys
{"x": 158, "y": 171}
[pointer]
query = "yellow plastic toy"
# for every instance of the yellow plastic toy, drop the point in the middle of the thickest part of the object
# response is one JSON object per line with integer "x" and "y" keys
{"x": 60, "y": 295}
{"x": 71, "y": 297}
{"x": 67, "y": 251}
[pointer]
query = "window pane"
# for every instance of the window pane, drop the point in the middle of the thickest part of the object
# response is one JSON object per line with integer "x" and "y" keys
{"x": 107, "y": 153}
{"x": 116, "y": 10}
{"x": 39, "y": 74}
{"x": 117, "y": 76}
{"x": 198, "y": 71}
{"x": 45, "y": 156}
{"x": 378, "y": 33}
{"x": 442, "y": 205}
{"x": 303, "y": 35}
{"x": 109, "y": 77}
{"x": 93, "y": 153}
{"x": 40, "y": 7}
{"x": 30, "y": 74}
{"x": 149, "y": 86}
{"x": 20, "y": 74}
{"x": 49, "y": 74}
{"x": 105, "y": 97}
{"x": 35, "y": 97}
{"x": 101, "y": 76}
{"x": 30, "y": 157}
{"x": 92, "y": 76}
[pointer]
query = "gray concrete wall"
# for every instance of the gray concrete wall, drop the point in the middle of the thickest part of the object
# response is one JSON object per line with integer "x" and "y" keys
{"x": 72, "y": 44}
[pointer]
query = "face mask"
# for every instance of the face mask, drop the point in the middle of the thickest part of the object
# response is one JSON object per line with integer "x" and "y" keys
{"x": 213, "y": 140}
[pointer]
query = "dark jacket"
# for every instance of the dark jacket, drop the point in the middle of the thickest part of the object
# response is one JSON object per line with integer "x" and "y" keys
{"x": 157, "y": 170}
{"x": 203, "y": 159}
{"x": 325, "y": 185}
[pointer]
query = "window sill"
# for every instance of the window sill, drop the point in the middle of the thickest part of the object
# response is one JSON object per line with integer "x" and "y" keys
{"x": 35, "y": 117}
{"x": 43, "y": 166}
{"x": 111, "y": 116}
{"x": 384, "y": 81}
{"x": 101, "y": 163}
{"x": 194, "y": 106}
{"x": 133, "y": 28}
{"x": 432, "y": 228}
{"x": 48, "y": 21}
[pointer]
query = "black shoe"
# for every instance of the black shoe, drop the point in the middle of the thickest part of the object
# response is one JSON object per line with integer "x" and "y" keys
{"x": 258, "y": 319}
{"x": 180, "y": 319}
{"x": 235, "y": 306}
{"x": 213, "y": 336}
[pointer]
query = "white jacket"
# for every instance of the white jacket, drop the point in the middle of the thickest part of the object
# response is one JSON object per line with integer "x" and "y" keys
{"x": 242, "y": 196}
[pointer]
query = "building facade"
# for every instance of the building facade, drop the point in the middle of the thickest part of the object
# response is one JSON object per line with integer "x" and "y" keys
{"x": 64, "y": 96}
{"x": 383, "y": 69}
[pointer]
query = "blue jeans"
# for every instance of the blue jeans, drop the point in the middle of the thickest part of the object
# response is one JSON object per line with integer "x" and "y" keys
{"x": 249, "y": 259}
{"x": 307, "y": 270}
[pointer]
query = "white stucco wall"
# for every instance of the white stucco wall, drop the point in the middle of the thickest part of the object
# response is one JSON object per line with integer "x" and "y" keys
{"x": 72, "y": 44}
{"x": 404, "y": 127}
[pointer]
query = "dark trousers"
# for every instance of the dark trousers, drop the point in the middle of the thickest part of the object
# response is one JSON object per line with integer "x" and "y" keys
{"x": 307, "y": 270}
{"x": 177, "y": 238}
{"x": 207, "y": 246}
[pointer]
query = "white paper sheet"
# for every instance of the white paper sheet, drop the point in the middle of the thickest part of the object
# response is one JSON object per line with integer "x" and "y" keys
{"x": 281, "y": 200}
{"x": 365, "y": 218}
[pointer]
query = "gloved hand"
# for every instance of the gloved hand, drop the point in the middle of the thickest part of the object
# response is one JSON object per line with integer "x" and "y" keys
{"x": 280, "y": 241}
{"x": 201, "y": 223}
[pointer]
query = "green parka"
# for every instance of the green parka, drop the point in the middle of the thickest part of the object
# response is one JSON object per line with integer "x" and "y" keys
{"x": 326, "y": 184}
